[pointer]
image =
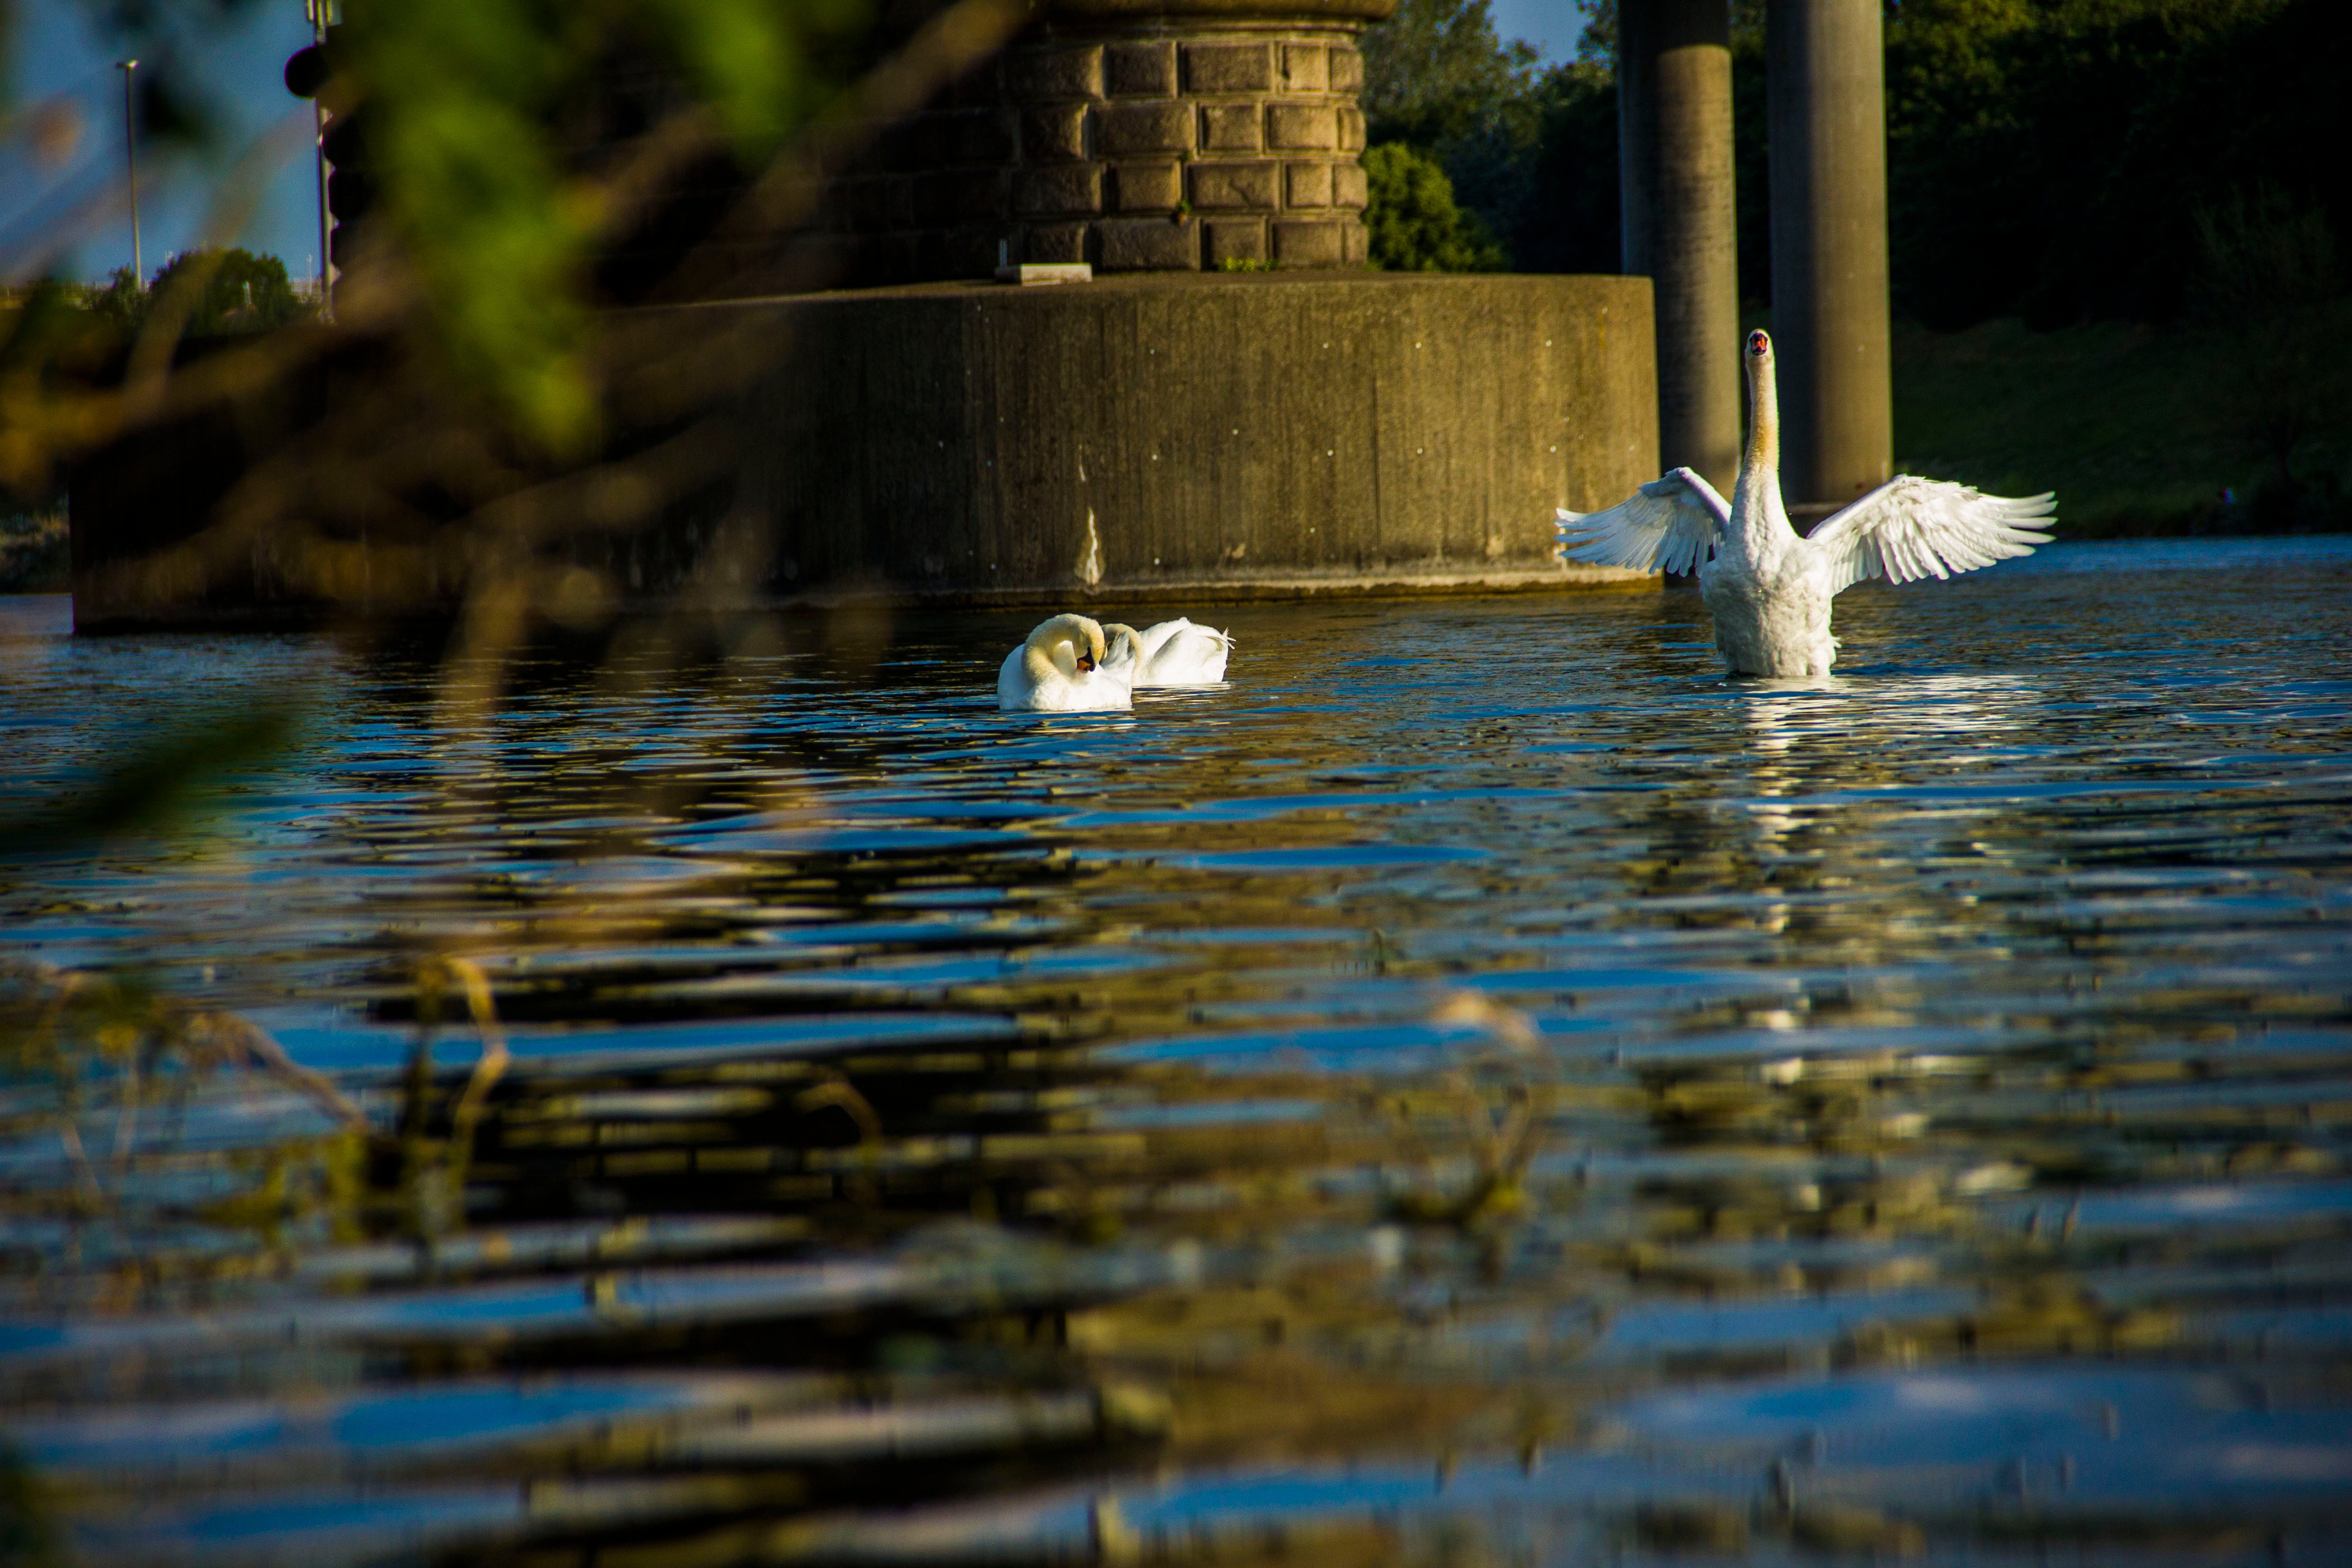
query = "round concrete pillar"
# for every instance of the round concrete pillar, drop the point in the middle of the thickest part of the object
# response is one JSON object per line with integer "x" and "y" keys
{"x": 1680, "y": 221}
{"x": 1827, "y": 103}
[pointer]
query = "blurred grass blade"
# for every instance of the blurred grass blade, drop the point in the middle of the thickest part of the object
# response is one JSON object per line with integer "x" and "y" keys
{"x": 154, "y": 788}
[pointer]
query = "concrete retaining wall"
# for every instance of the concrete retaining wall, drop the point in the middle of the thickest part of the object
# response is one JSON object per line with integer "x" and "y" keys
{"x": 1201, "y": 436}
{"x": 1253, "y": 434}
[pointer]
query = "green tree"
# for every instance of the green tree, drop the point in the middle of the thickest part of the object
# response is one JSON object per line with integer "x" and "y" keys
{"x": 2266, "y": 282}
{"x": 1436, "y": 72}
{"x": 1438, "y": 78}
{"x": 1416, "y": 225}
{"x": 2046, "y": 157}
{"x": 121, "y": 301}
{"x": 236, "y": 291}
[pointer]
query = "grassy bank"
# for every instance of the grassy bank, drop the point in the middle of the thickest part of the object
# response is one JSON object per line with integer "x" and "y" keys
{"x": 2131, "y": 425}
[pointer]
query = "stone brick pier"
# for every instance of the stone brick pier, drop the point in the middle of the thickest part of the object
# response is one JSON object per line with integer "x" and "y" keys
{"x": 1195, "y": 134}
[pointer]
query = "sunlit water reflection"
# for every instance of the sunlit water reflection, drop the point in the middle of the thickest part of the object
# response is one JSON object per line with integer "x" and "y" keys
{"x": 1480, "y": 1088}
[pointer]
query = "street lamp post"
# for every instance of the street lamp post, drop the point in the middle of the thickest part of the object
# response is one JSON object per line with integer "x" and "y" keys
{"x": 130, "y": 150}
{"x": 319, "y": 14}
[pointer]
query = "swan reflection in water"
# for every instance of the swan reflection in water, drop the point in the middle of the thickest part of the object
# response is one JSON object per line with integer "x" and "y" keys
{"x": 1819, "y": 751}
{"x": 1427, "y": 1053}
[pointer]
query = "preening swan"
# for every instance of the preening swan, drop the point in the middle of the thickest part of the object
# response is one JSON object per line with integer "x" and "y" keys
{"x": 1769, "y": 589}
{"x": 1173, "y": 653}
{"x": 1060, "y": 670}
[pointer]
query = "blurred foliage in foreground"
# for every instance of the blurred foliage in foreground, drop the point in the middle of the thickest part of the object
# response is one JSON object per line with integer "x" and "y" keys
{"x": 500, "y": 173}
{"x": 475, "y": 109}
{"x": 33, "y": 553}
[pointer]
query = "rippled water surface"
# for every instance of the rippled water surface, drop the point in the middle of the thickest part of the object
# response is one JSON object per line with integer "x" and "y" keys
{"x": 1481, "y": 1087}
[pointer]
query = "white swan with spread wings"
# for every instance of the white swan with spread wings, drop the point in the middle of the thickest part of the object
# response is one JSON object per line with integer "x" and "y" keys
{"x": 1768, "y": 588}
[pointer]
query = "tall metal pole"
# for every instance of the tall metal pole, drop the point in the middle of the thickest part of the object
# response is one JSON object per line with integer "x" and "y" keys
{"x": 316, "y": 11}
{"x": 1679, "y": 220}
{"x": 130, "y": 150}
{"x": 1826, "y": 98}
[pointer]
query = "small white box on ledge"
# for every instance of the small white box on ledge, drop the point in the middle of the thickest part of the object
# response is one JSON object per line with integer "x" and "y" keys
{"x": 1031, "y": 273}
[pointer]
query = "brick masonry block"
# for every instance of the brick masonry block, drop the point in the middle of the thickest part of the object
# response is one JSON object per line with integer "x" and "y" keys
{"x": 977, "y": 88}
{"x": 1154, "y": 187}
{"x": 1348, "y": 185}
{"x": 902, "y": 254}
{"x": 1355, "y": 243}
{"x": 1045, "y": 75}
{"x": 1148, "y": 245}
{"x": 1301, "y": 127}
{"x": 898, "y": 202}
{"x": 859, "y": 155}
{"x": 1228, "y": 67}
{"x": 863, "y": 203}
{"x": 959, "y": 197}
{"x": 1303, "y": 68}
{"x": 1141, "y": 70}
{"x": 1347, "y": 69}
{"x": 1053, "y": 242}
{"x": 1226, "y": 186}
{"x": 819, "y": 256}
{"x": 1230, "y": 128}
{"x": 1054, "y": 135}
{"x": 904, "y": 148}
{"x": 971, "y": 252}
{"x": 975, "y": 136}
{"x": 1124, "y": 130}
{"x": 1234, "y": 240}
{"x": 1070, "y": 189}
{"x": 1307, "y": 185}
{"x": 867, "y": 257}
{"x": 1309, "y": 242}
{"x": 1351, "y": 129}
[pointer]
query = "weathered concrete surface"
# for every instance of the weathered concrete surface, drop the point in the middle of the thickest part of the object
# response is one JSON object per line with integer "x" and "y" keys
{"x": 1240, "y": 434}
{"x": 1221, "y": 436}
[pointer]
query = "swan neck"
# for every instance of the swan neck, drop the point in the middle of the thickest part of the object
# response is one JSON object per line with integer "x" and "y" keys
{"x": 1052, "y": 653}
{"x": 1763, "y": 418}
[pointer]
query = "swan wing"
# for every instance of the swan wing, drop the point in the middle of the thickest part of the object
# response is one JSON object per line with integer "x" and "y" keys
{"x": 1013, "y": 687}
{"x": 1126, "y": 655}
{"x": 1152, "y": 637}
{"x": 1189, "y": 655}
{"x": 1910, "y": 528}
{"x": 1671, "y": 524}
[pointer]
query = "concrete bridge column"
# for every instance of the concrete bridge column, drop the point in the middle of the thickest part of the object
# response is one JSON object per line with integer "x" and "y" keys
{"x": 1679, "y": 219}
{"x": 1827, "y": 102}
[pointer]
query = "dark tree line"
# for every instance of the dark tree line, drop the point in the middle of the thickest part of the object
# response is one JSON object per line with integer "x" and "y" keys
{"x": 2046, "y": 158}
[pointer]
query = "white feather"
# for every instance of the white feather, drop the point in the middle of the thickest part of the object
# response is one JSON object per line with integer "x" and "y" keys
{"x": 1910, "y": 528}
{"x": 1173, "y": 653}
{"x": 1673, "y": 523}
{"x": 1768, "y": 590}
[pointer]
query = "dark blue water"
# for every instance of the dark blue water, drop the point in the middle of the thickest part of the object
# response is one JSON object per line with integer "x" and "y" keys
{"x": 1480, "y": 1088}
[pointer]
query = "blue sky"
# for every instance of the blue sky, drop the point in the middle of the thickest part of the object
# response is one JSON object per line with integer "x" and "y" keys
{"x": 1551, "y": 25}
{"x": 57, "y": 53}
